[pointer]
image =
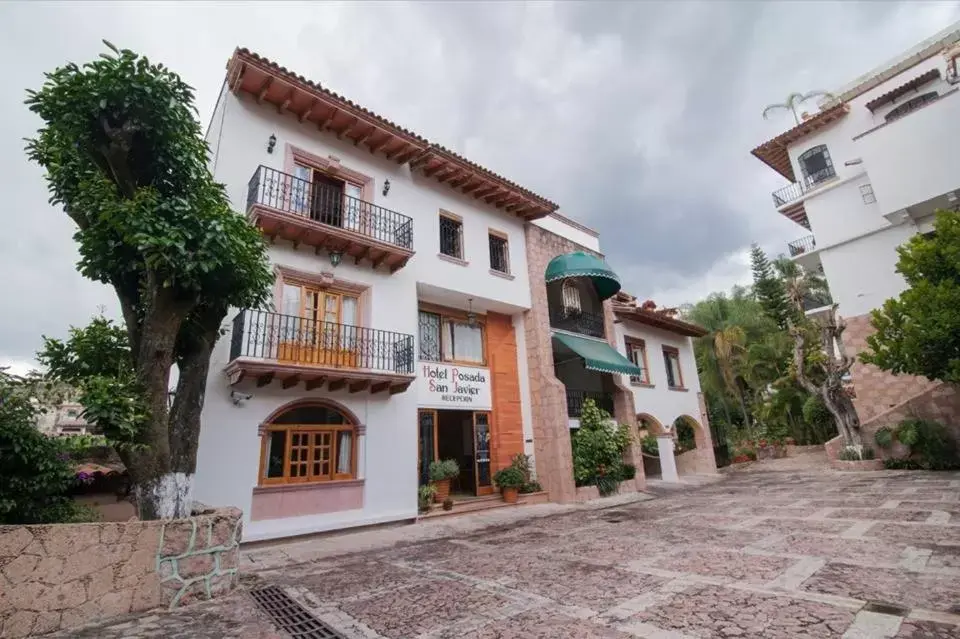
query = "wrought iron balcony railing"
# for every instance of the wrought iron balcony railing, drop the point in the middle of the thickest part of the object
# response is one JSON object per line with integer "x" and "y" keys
{"x": 582, "y": 322}
{"x": 576, "y": 398}
{"x": 795, "y": 191}
{"x": 328, "y": 205}
{"x": 298, "y": 340}
{"x": 801, "y": 246}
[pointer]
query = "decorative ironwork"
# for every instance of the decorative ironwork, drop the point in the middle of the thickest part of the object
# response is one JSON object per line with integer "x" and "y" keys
{"x": 429, "y": 336}
{"x": 576, "y": 398}
{"x": 266, "y": 335}
{"x": 290, "y": 616}
{"x": 912, "y": 105}
{"x": 801, "y": 246}
{"x": 795, "y": 191}
{"x": 577, "y": 321}
{"x": 499, "y": 254}
{"x": 328, "y": 205}
{"x": 451, "y": 237}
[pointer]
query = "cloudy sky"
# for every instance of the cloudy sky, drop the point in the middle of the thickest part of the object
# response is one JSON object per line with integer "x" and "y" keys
{"x": 636, "y": 117}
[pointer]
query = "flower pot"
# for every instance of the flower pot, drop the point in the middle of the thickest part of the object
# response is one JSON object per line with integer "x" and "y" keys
{"x": 443, "y": 490}
{"x": 510, "y": 494}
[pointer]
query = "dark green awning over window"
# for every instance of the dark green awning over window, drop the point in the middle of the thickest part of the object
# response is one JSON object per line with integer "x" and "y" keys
{"x": 580, "y": 264}
{"x": 597, "y": 355}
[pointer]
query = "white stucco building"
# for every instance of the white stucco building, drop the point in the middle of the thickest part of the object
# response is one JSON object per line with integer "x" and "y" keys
{"x": 396, "y": 331}
{"x": 867, "y": 172}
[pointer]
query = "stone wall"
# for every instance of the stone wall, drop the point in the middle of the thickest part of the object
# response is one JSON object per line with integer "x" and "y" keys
{"x": 939, "y": 403}
{"x": 59, "y": 576}
{"x": 699, "y": 461}
{"x": 551, "y": 434}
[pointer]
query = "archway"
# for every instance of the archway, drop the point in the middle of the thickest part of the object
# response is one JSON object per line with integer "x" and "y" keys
{"x": 649, "y": 424}
{"x": 693, "y": 447}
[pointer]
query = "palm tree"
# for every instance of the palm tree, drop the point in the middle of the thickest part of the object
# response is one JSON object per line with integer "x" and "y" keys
{"x": 793, "y": 100}
{"x": 801, "y": 285}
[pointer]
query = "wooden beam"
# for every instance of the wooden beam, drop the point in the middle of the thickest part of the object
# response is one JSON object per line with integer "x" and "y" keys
{"x": 316, "y": 382}
{"x": 510, "y": 199}
{"x": 399, "y": 388}
{"x": 405, "y": 157}
{"x": 430, "y": 172}
{"x": 493, "y": 196}
{"x": 420, "y": 158}
{"x": 291, "y": 381}
{"x": 306, "y": 114}
{"x": 377, "y": 262}
{"x": 349, "y": 127}
{"x": 360, "y": 385}
{"x": 390, "y": 154}
{"x": 322, "y": 124}
{"x": 264, "y": 379}
{"x": 236, "y": 377}
{"x": 286, "y": 102}
{"x": 264, "y": 87}
{"x": 336, "y": 385}
{"x": 365, "y": 136}
{"x": 443, "y": 177}
{"x": 374, "y": 147}
{"x": 486, "y": 191}
{"x": 364, "y": 255}
{"x": 462, "y": 180}
{"x": 379, "y": 387}
{"x": 470, "y": 186}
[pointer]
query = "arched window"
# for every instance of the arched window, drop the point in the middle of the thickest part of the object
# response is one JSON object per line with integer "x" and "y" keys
{"x": 571, "y": 297}
{"x": 308, "y": 443}
{"x": 911, "y": 105}
{"x": 816, "y": 165}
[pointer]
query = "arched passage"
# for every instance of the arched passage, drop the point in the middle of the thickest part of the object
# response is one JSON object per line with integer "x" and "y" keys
{"x": 650, "y": 424}
{"x": 693, "y": 447}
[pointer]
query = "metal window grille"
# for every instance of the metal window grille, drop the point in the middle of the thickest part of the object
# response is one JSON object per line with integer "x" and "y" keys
{"x": 866, "y": 192}
{"x": 571, "y": 296}
{"x": 912, "y": 105}
{"x": 429, "y": 336}
{"x": 498, "y": 254}
{"x": 816, "y": 165}
{"x": 451, "y": 237}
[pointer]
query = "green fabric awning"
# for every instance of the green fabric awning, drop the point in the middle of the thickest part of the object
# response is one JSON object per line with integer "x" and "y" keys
{"x": 597, "y": 355}
{"x": 580, "y": 264}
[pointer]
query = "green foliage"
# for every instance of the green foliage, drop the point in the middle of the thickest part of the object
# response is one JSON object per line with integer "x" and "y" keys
{"x": 509, "y": 477}
{"x": 901, "y": 464}
{"x": 96, "y": 360}
{"x": 918, "y": 333}
{"x": 930, "y": 442}
{"x": 686, "y": 436}
{"x": 598, "y": 445}
{"x": 851, "y": 453}
{"x": 444, "y": 469}
{"x": 607, "y": 485}
{"x": 768, "y": 289}
{"x": 531, "y": 487}
{"x": 36, "y": 475}
{"x": 815, "y": 411}
{"x": 627, "y": 472}
{"x": 521, "y": 462}
{"x": 425, "y": 495}
{"x": 883, "y": 437}
{"x": 649, "y": 445}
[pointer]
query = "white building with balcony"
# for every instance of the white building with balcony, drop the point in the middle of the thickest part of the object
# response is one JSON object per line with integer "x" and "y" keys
{"x": 396, "y": 333}
{"x": 866, "y": 173}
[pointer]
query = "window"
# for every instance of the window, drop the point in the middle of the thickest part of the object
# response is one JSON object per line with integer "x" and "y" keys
{"x": 637, "y": 353}
{"x": 866, "y": 192}
{"x": 326, "y": 198}
{"x": 451, "y": 237}
{"x": 912, "y": 105}
{"x": 308, "y": 444}
{"x": 816, "y": 165}
{"x": 447, "y": 339}
{"x": 499, "y": 254}
{"x": 671, "y": 361}
{"x": 571, "y": 297}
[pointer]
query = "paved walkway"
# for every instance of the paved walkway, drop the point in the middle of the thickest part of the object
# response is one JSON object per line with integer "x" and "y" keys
{"x": 766, "y": 552}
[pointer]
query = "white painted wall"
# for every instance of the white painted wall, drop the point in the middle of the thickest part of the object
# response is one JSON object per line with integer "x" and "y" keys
{"x": 229, "y": 449}
{"x": 658, "y": 400}
{"x": 862, "y": 274}
{"x": 566, "y": 230}
{"x": 839, "y": 214}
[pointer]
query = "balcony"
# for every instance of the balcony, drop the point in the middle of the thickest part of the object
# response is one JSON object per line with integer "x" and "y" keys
{"x": 582, "y": 322}
{"x": 265, "y": 346}
{"x": 322, "y": 216}
{"x": 801, "y": 246}
{"x": 576, "y": 398}
{"x": 793, "y": 192}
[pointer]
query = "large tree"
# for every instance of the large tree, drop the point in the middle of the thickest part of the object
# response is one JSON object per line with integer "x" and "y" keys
{"x": 918, "y": 333}
{"x": 768, "y": 288}
{"x": 125, "y": 158}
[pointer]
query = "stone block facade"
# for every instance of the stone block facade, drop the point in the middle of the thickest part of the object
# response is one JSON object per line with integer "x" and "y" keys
{"x": 59, "y": 576}
{"x": 551, "y": 434}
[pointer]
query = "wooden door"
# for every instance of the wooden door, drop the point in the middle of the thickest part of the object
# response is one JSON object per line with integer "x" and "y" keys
{"x": 327, "y": 199}
{"x": 427, "y": 446}
{"x": 481, "y": 453}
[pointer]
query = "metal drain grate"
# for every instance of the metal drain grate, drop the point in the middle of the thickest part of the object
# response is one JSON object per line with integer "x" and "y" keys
{"x": 290, "y": 616}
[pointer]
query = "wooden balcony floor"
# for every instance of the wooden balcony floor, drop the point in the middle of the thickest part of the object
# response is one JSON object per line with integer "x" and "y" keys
{"x": 316, "y": 376}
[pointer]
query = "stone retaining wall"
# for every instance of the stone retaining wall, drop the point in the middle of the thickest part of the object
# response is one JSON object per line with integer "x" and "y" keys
{"x": 61, "y": 576}
{"x": 861, "y": 465}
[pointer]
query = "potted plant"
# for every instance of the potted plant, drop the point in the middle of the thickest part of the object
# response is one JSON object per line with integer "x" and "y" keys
{"x": 509, "y": 480}
{"x": 441, "y": 472}
{"x": 425, "y": 497}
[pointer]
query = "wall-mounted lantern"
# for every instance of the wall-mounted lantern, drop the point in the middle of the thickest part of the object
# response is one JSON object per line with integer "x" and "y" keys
{"x": 271, "y": 143}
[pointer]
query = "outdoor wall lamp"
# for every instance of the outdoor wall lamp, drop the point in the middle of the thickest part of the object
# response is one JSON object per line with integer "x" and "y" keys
{"x": 271, "y": 143}
{"x": 386, "y": 187}
{"x": 471, "y": 316}
{"x": 335, "y": 257}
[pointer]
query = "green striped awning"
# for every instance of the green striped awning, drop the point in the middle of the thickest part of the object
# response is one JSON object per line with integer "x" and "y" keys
{"x": 597, "y": 355}
{"x": 580, "y": 264}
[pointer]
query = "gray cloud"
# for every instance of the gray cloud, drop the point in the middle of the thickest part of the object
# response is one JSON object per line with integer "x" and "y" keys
{"x": 637, "y": 117}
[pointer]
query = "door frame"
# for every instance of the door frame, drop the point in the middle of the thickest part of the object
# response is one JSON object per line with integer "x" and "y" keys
{"x": 477, "y": 488}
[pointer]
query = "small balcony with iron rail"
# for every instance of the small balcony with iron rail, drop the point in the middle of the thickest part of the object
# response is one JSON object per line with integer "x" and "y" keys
{"x": 577, "y": 321}
{"x": 804, "y": 252}
{"x": 267, "y": 346}
{"x": 789, "y": 199}
{"x": 322, "y": 216}
{"x": 576, "y": 399}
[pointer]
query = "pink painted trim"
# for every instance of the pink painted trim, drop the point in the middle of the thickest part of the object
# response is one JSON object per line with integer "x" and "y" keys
{"x": 309, "y": 499}
{"x": 329, "y": 403}
{"x": 324, "y": 279}
{"x": 331, "y": 164}
{"x": 320, "y": 485}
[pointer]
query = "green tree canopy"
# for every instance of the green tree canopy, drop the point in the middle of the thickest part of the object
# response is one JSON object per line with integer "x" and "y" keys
{"x": 918, "y": 333}
{"x": 768, "y": 288}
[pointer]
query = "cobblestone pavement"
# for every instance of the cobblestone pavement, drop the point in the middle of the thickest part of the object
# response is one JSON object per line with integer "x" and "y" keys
{"x": 772, "y": 554}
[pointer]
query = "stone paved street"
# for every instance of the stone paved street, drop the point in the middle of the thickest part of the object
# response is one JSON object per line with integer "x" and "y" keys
{"x": 765, "y": 553}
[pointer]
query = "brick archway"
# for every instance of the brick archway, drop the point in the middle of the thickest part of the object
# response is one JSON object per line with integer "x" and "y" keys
{"x": 650, "y": 423}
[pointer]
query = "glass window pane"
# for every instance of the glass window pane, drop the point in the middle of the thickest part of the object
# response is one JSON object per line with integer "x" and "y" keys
{"x": 429, "y": 336}
{"x": 344, "y": 452}
{"x": 276, "y": 448}
{"x": 467, "y": 343}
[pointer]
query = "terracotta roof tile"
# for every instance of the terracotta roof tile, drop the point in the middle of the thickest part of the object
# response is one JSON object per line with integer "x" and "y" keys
{"x": 773, "y": 152}
{"x": 903, "y": 89}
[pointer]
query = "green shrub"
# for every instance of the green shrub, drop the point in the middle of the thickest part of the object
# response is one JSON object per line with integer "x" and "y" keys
{"x": 425, "y": 495}
{"x": 901, "y": 464}
{"x": 649, "y": 445}
{"x": 509, "y": 477}
{"x": 531, "y": 487}
{"x": 883, "y": 437}
{"x": 815, "y": 411}
{"x": 607, "y": 485}
{"x": 628, "y": 472}
{"x": 597, "y": 445}
{"x": 36, "y": 474}
{"x": 931, "y": 442}
{"x": 444, "y": 469}
{"x": 850, "y": 453}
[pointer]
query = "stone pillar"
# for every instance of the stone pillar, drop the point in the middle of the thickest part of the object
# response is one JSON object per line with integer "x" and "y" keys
{"x": 668, "y": 464}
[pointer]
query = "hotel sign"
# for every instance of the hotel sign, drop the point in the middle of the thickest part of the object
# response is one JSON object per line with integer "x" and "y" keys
{"x": 453, "y": 386}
